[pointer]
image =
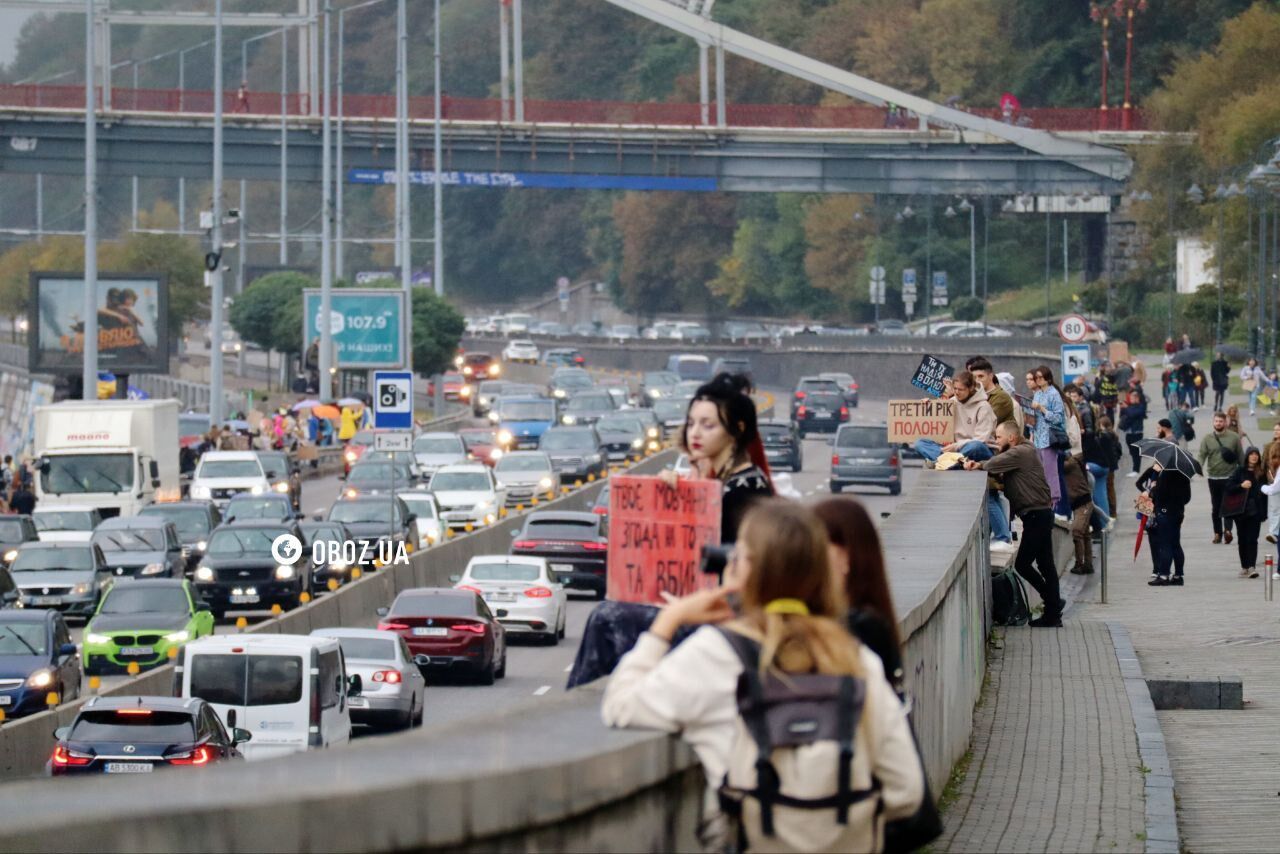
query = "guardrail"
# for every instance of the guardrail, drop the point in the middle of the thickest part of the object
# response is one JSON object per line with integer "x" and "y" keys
{"x": 540, "y": 776}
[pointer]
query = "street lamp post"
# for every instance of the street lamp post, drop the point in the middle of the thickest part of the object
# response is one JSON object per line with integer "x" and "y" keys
{"x": 90, "y": 383}
{"x": 216, "y": 309}
{"x": 966, "y": 207}
{"x": 326, "y": 219}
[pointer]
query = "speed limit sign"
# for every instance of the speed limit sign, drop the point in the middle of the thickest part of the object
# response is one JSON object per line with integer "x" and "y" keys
{"x": 1073, "y": 328}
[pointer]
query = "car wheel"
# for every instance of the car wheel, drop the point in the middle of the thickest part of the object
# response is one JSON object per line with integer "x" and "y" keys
{"x": 501, "y": 672}
{"x": 487, "y": 676}
{"x": 797, "y": 465}
{"x": 417, "y": 720}
{"x": 896, "y": 489}
{"x": 407, "y": 721}
{"x": 802, "y": 434}
{"x": 835, "y": 488}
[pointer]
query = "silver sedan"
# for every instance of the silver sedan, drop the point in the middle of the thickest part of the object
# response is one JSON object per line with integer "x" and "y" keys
{"x": 523, "y": 593}
{"x": 393, "y": 688}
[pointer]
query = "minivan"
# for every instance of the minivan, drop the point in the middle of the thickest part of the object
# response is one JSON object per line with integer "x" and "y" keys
{"x": 289, "y": 691}
{"x": 862, "y": 456}
{"x": 689, "y": 366}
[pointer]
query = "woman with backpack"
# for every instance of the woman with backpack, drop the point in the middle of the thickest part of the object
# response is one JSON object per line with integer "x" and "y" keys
{"x": 787, "y": 628}
{"x": 1250, "y": 478}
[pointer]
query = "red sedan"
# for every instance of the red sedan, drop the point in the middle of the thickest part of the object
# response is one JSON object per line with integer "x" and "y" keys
{"x": 455, "y": 387}
{"x": 454, "y": 628}
{"x": 481, "y": 444}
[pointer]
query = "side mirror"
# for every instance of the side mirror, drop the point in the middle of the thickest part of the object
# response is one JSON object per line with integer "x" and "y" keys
{"x": 231, "y": 719}
{"x": 155, "y": 470}
{"x": 455, "y": 578}
{"x": 355, "y": 685}
{"x": 67, "y": 649}
{"x": 383, "y": 611}
{"x": 61, "y": 732}
{"x": 318, "y": 517}
{"x": 240, "y": 736}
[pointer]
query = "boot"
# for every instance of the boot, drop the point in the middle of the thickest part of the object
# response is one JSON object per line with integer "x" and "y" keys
{"x": 1227, "y": 537}
{"x": 1217, "y": 538}
{"x": 1082, "y": 569}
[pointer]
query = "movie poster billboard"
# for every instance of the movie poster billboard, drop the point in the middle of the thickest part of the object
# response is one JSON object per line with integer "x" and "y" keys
{"x": 133, "y": 323}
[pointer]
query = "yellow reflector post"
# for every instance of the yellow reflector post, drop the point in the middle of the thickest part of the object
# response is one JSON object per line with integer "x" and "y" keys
{"x": 241, "y": 622}
{"x": 52, "y": 698}
{"x": 356, "y": 573}
{"x": 95, "y": 682}
{"x": 333, "y": 584}
{"x": 304, "y": 597}
{"x": 173, "y": 652}
{"x": 133, "y": 668}
{"x": 276, "y": 609}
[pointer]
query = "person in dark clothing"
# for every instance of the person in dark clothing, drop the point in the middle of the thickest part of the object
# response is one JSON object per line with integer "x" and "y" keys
{"x": 1220, "y": 377}
{"x": 22, "y": 500}
{"x": 1133, "y": 413}
{"x": 1031, "y": 501}
{"x": 1170, "y": 491}
{"x": 1250, "y": 477}
{"x": 1186, "y": 374}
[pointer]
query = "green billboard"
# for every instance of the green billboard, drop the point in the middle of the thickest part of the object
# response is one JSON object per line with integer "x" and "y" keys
{"x": 369, "y": 326}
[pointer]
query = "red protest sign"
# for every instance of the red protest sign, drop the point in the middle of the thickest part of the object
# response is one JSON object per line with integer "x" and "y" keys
{"x": 656, "y": 535}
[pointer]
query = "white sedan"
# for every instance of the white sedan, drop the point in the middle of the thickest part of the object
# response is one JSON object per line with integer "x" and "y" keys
{"x": 521, "y": 350}
{"x": 523, "y": 592}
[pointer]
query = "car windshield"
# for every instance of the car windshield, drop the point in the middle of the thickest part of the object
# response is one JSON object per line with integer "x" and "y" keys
{"x": 843, "y": 379}
{"x": 377, "y": 473}
{"x": 130, "y": 540}
{"x": 275, "y": 465}
{"x": 660, "y": 378}
{"x": 31, "y": 560}
{"x": 87, "y": 473}
{"x": 561, "y": 529}
{"x": 433, "y": 605}
{"x": 188, "y": 520}
{"x": 477, "y": 437}
{"x": 153, "y": 727}
{"x": 368, "y": 648}
{"x": 229, "y": 468}
{"x": 245, "y": 541}
{"x": 11, "y": 530}
{"x": 825, "y": 399}
{"x": 437, "y": 445}
{"x": 63, "y": 520}
{"x": 624, "y": 423}
{"x": 420, "y": 505}
{"x": 505, "y": 572}
{"x": 316, "y": 531}
{"x": 361, "y": 511}
{"x": 137, "y": 599}
{"x": 694, "y": 369}
{"x": 24, "y": 639}
{"x": 573, "y": 381}
{"x": 863, "y": 437}
{"x": 670, "y": 410}
{"x": 589, "y": 403}
{"x": 567, "y": 440}
{"x": 735, "y": 366}
{"x": 258, "y": 508}
{"x": 820, "y": 386}
{"x": 523, "y": 462}
{"x": 246, "y": 680}
{"x": 527, "y": 411}
{"x": 460, "y": 481}
{"x": 364, "y": 437}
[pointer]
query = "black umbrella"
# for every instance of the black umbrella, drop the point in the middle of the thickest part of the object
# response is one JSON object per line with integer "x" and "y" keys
{"x": 1183, "y": 357}
{"x": 1170, "y": 457}
{"x": 362, "y": 395}
{"x": 1232, "y": 351}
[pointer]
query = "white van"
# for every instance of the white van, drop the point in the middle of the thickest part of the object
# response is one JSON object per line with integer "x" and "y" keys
{"x": 290, "y": 691}
{"x": 222, "y": 475}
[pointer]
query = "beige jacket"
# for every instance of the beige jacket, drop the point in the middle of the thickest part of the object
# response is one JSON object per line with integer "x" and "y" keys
{"x": 975, "y": 419}
{"x": 692, "y": 690}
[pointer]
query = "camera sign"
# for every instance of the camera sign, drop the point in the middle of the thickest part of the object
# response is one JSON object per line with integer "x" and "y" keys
{"x": 393, "y": 400}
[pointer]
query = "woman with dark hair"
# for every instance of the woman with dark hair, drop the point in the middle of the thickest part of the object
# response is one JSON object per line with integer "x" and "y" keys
{"x": 1251, "y": 477}
{"x": 1049, "y": 410}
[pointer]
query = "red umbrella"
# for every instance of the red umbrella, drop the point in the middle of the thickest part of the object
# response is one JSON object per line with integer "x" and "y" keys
{"x": 1142, "y": 527}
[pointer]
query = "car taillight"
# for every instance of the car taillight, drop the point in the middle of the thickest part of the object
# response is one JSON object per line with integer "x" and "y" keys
{"x": 799, "y": 395}
{"x": 800, "y": 413}
{"x": 471, "y": 589}
{"x": 893, "y": 459}
{"x": 62, "y": 757}
{"x": 524, "y": 544}
{"x": 475, "y": 628}
{"x": 538, "y": 593}
{"x": 853, "y": 386}
{"x": 835, "y": 459}
{"x": 391, "y": 677}
{"x": 200, "y": 756}
{"x": 392, "y": 627}
{"x": 133, "y": 712}
{"x": 579, "y": 359}
{"x": 596, "y": 547}
{"x": 844, "y": 413}
{"x": 600, "y": 510}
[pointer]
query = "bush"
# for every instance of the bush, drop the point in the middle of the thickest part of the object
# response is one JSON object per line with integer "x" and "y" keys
{"x": 967, "y": 309}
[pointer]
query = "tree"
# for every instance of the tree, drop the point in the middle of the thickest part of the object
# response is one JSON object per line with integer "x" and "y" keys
{"x": 177, "y": 257}
{"x": 966, "y": 308}
{"x": 437, "y": 329}
{"x": 269, "y": 312}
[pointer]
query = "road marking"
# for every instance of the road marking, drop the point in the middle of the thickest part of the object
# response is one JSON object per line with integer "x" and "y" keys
{"x": 544, "y": 689}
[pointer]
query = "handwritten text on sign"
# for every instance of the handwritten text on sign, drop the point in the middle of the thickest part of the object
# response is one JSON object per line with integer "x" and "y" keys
{"x": 930, "y": 377}
{"x": 656, "y": 535}
{"x": 922, "y": 419}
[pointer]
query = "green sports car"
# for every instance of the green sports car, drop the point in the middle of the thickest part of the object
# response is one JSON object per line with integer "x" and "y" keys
{"x": 140, "y": 621}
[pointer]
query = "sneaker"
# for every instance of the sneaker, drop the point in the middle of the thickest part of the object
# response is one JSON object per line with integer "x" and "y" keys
{"x": 1111, "y": 524}
{"x": 1159, "y": 581}
{"x": 1275, "y": 576}
{"x": 1253, "y": 572}
{"x": 1176, "y": 581}
{"x": 1082, "y": 569}
{"x": 1047, "y": 621}
{"x": 1132, "y": 474}
{"x": 1271, "y": 539}
{"x": 1244, "y": 573}
{"x": 1001, "y": 547}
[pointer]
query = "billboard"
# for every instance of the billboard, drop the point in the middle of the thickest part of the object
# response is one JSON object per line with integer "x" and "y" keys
{"x": 133, "y": 323}
{"x": 369, "y": 326}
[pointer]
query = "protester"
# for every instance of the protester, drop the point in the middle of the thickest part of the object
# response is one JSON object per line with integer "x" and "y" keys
{"x": 1220, "y": 455}
{"x": 1200, "y": 384}
{"x": 1006, "y": 411}
{"x": 1030, "y": 499}
{"x": 1181, "y": 422}
{"x": 1252, "y": 381}
{"x": 1000, "y": 401}
{"x": 1106, "y": 390}
{"x": 1115, "y": 455}
{"x": 1133, "y": 414}
{"x": 1169, "y": 349}
{"x": 346, "y": 424}
{"x": 975, "y": 423}
{"x": 791, "y": 615}
{"x": 1250, "y": 477}
{"x": 1050, "y": 410}
{"x": 1096, "y": 455}
{"x": 1186, "y": 374}
{"x": 1273, "y": 444}
{"x": 1186, "y": 342}
{"x": 1220, "y": 378}
{"x": 1169, "y": 491}
{"x": 1272, "y": 490}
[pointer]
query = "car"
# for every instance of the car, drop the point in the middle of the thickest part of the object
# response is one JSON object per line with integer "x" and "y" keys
{"x": 272, "y": 506}
{"x": 672, "y": 412}
{"x": 892, "y": 327}
{"x": 195, "y": 521}
{"x": 516, "y": 322}
{"x": 682, "y": 466}
{"x": 481, "y": 444}
{"x": 433, "y": 450}
{"x": 134, "y": 734}
{"x": 732, "y": 365}
{"x": 381, "y": 525}
{"x": 67, "y": 577}
{"x": 221, "y": 475}
{"x": 567, "y": 381}
{"x": 575, "y": 452}
{"x": 375, "y": 477}
{"x": 690, "y": 366}
{"x": 688, "y": 331}
{"x": 239, "y": 571}
{"x": 622, "y": 436}
{"x": 141, "y": 546}
{"x": 37, "y": 658}
{"x": 393, "y": 692}
{"x": 652, "y": 426}
{"x": 623, "y": 332}
{"x": 848, "y": 386}
{"x": 807, "y": 385}
{"x": 586, "y": 330}
{"x": 357, "y": 446}
{"x": 619, "y": 389}
{"x": 523, "y": 592}
{"x": 454, "y": 629}
{"x": 599, "y": 506}
{"x": 477, "y": 366}
{"x": 563, "y": 357}
{"x": 656, "y": 385}
{"x": 575, "y": 546}
{"x": 661, "y": 330}
{"x": 455, "y": 386}
{"x": 977, "y": 329}
{"x": 468, "y": 494}
{"x": 284, "y": 475}
{"x": 66, "y": 523}
{"x": 586, "y": 407}
{"x": 521, "y": 350}
{"x": 426, "y": 513}
{"x": 862, "y": 456}
{"x": 328, "y": 562}
{"x": 746, "y": 332}
{"x": 522, "y": 421}
{"x": 14, "y": 531}
{"x": 821, "y": 412}
{"x": 139, "y": 620}
{"x": 552, "y": 329}
{"x": 482, "y": 398}
{"x": 782, "y": 445}
{"x": 526, "y": 475}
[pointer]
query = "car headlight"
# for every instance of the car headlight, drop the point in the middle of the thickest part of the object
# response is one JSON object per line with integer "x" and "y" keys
{"x": 96, "y": 639}
{"x": 593, "y": 458}
{"x": 282, "y": 487}
{"x": 495, "y": 370}
{"x": 10, "y": 555}
{"x": 351, "y": 492}
{"x": 494, "y": 417}
{"x": 637, "y": 443}
{"x": 42, "y": 678}
{"x": 545, "y": 483}
{"x": 178, "y": 637}
{"x": 465, "y": 391}
{"x": 505, "y": 437}
{"x": 351, "y": 456}
{"x": 284, "y": 573}
{"x": 204, "y": 573}
{"x": 457, "y": 362}
{"x": 558, "y": 393}
{"x": 81, "y": 589}
{"x": 339, "y": 565}
{"x": 484, "y": 401}
{"x": 569, "y": 419}
{"x": 152, "y": 569}
{"x": 495, "y": 454}
{"x": 200, "y": 546}
{"x": 200, "y": 492}
{"x": 484, "y": 505}
{"x": 655, "y": 393}
{"x": 256, "y": 489}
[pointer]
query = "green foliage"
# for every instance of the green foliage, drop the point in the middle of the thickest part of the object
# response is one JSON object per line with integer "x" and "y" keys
{"x": 967, "y": 308}
{"x": 269, "y": 312}
{"x": 437, "y": 329}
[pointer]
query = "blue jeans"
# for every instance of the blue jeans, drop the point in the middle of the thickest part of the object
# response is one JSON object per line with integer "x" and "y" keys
{"x": 1253, "y": 398}
{"x": 1099, "y": 487}
{"x": 999, "y": 521}
{"x": 972, "y": 449}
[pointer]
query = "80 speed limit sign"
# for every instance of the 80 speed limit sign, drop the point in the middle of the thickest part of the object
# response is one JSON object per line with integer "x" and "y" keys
{"x": 1073, "y": 328}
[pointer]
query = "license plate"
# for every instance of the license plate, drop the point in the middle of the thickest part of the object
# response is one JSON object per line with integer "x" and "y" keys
{"x": 243, "y": 599}
{"x": 430, "y": 633}
{"x": 5, "y": 700}
{"x": 562, "y": 567}
{"x": 46, "y": 600}
{"x": 130, "y": 767}
{"x": 501, "y": 597}
{"x": 137, "y": 650}
{"x": 821, "y": 413}
{"x": 357, "y": 702}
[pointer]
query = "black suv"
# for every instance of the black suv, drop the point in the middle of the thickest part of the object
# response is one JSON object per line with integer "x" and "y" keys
{"x": 782, "y": 445}
{"x": 807, "y": 386}
{"x": 820, "y": 412}
{"x": 239, "y": 572}
{"x": 575, "y": 452}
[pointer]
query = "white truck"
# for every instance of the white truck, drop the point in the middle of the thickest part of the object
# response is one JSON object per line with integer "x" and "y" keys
{"x": 116, "y": 455}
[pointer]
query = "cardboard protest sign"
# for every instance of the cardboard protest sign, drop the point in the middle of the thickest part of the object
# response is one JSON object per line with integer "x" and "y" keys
{"x": 922, "y": 419}
{"x": 1118, "y": 351}
{"x": 930, "y": 375}
{"x": 656, "y": 535}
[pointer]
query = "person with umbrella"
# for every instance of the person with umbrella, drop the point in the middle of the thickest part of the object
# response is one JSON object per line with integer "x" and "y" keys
{"x": 1252, "y": 380}
{"x": 1167, "y": 483}
{"x": 1220, "y": 455}
{"x": 1250, "y": 478}
{"x": 1219, "y": 376}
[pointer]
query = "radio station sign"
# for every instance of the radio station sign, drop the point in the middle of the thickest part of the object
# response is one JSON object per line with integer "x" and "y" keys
{"x": 910, "y": 420}
{"x": 133, "y": 323}
{"x": 369, "y": 326}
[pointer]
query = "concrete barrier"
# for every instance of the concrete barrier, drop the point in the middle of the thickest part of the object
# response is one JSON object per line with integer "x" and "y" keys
{"x": 541, "y": 776}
